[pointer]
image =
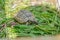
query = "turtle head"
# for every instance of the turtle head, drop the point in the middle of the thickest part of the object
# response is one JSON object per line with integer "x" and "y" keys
{"x": 32, "y": 22}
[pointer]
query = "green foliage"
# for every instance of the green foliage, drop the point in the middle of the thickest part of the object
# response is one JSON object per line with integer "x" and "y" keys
{"x": 2, "y": 4}
{"x": 48, "y": 19}
{"x": 2, "y": 16}
{"x": 2, "y": 34}
{"x": 46, "y": 15}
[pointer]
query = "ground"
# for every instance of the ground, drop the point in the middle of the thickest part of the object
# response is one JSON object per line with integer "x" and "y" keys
{"x": 56, "y": 37}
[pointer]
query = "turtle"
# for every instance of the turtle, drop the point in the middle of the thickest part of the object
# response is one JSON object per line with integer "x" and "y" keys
{"x": 25, "y": 17}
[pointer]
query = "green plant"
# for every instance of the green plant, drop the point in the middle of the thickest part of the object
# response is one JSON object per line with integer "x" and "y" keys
{"x": 48, "y": 22}
{"x": 46, "y": 15}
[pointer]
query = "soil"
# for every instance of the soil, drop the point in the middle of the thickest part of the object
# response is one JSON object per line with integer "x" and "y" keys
{"x": 56, "y": 37}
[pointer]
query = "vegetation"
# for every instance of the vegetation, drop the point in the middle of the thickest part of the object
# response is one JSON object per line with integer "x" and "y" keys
{"x": 48, "y": 19}
{"x": 46, "y": 15}
{"x": 2, "y": 17}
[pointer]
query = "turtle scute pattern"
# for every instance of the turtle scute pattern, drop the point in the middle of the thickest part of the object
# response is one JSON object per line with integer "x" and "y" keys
{"x": 25, "y": 16}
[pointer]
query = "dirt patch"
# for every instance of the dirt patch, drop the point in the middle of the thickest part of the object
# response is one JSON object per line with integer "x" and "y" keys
{"x": 56, "y": 37}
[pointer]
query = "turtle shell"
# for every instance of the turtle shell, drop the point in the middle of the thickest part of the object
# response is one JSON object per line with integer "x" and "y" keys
{"x": 24, "y": 16}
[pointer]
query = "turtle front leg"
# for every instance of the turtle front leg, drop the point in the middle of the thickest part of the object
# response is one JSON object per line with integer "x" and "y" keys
{"x": 27, "y": 23}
